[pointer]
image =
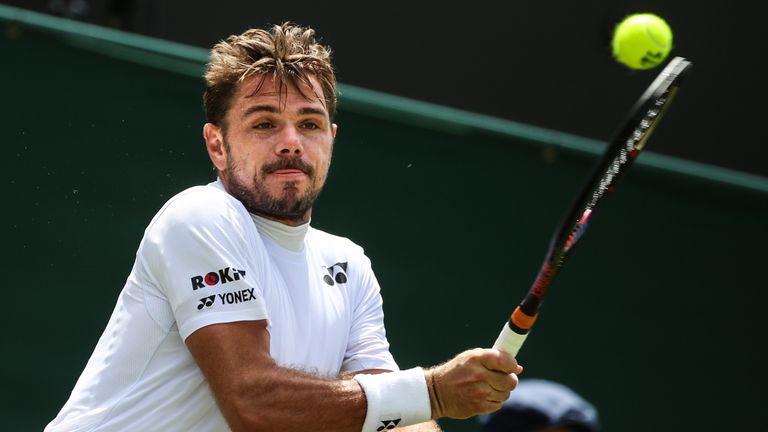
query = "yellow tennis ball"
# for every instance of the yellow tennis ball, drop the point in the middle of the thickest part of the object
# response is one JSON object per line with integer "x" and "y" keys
{"x": 641, "y": 41}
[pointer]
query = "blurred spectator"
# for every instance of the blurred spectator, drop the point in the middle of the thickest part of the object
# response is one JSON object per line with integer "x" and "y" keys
{"x": 538, "y": 405}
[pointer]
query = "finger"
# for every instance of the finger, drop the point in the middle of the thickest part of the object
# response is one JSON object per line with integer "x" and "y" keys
{"x": 490, "y": 406}
{"x": 502, "y": 382}
{"x": 497, "y": 360}
{"x": 497, "y": 397}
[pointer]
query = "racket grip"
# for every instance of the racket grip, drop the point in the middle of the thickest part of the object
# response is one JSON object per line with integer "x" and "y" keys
{"x": 509, "y": 340}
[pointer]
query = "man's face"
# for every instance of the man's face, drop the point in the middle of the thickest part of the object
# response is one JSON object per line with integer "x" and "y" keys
{"x": 275, "y": 151}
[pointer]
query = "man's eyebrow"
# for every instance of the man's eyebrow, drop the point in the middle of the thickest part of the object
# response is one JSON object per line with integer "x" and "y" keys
{"x": 311, "y": 110}
{"x": 273, "y": 109}
{"x": 260, "y": 108}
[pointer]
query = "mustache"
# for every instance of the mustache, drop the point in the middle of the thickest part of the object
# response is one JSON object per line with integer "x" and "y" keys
{"x": 289, "y": 163}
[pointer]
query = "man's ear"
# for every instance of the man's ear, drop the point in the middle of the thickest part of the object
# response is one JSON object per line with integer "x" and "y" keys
{"x": 214, "y": 143}
{"x": 334, "y": 129}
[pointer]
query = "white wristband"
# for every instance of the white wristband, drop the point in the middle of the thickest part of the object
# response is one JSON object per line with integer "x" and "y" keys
{"x": 395, "y": 399}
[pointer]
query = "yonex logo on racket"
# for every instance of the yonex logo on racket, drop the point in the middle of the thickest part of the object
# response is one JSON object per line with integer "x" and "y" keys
{"x": 227, "y": 274}
{"x": 336, "y": 274}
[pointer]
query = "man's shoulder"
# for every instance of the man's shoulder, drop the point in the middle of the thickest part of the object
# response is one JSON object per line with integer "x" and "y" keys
{"x": 335, "y": 244}
{"x": 203, "y": 204}
{"x": 211, "y": 195}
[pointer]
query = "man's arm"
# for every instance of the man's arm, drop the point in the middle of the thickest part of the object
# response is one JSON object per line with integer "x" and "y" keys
{"x": 255, "y": 394}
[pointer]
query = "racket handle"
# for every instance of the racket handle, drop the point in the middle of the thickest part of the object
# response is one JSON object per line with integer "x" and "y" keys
{"x": 509, "y": 341}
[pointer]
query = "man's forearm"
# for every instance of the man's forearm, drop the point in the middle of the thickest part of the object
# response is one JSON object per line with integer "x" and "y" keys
{"x": 288, "y": 400}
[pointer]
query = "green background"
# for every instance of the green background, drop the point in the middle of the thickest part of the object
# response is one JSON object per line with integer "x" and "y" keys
{"x": 655, "y": 318}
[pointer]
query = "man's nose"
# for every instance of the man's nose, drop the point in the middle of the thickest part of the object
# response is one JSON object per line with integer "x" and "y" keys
{"x": 290, "y": 143}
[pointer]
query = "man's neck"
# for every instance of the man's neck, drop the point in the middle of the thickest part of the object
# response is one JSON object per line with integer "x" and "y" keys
{"x": 287, "y": 236}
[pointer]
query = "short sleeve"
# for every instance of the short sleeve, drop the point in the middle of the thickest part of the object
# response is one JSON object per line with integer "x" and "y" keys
{"x": 198, "y": 252}
{"x": 368, "y": 347}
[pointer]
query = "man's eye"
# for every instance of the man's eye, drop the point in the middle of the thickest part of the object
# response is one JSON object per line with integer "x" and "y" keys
{"x": 262, "y": 126}
{"x": 310, "y": 126}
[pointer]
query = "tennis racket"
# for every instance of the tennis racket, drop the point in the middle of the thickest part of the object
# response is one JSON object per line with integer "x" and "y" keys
{"x": 618, "y": 157}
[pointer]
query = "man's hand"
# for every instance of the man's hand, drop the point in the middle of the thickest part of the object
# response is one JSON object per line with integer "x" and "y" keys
{"x": 474, "y": 382}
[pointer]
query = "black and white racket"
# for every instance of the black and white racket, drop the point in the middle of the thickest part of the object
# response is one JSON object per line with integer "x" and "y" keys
{"x": 617, "y": 159}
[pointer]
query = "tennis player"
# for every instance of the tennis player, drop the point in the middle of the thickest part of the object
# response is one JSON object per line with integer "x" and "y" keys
{"x": 237, "y": 314}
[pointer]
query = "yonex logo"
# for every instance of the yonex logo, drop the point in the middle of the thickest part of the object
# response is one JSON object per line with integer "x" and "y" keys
{"x": 228, "y": 298}
{"x": 206, "y": 302}
{"x": 237, "y": 296}
{"x": 336, "y": 274}
{"x": 220, "y": 276}
{"x": 388, "y": 424}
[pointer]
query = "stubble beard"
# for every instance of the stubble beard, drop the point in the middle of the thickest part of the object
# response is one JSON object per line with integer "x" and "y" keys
{"x": 289, "y": 206}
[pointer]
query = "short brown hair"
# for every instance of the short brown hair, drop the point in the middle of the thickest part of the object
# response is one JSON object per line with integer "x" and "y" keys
{"x": 290, "y": 53}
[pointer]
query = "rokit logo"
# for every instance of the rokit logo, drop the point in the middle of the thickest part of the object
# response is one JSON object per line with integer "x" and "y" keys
{"x": 228, "y": 298}
{"x": 223, "y": 276}
{"x": 336, "y": 274}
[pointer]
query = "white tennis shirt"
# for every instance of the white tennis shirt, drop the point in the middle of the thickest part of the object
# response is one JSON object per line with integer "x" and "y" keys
{"x": 202, "y": 261}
